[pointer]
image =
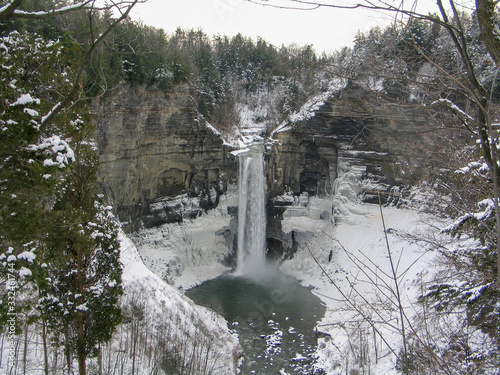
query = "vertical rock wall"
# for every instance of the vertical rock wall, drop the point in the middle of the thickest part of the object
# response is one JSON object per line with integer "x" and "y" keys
{"x": 385, "y": 145}
{"x": 160, "y": 162}
{"x": 352, "y": 135}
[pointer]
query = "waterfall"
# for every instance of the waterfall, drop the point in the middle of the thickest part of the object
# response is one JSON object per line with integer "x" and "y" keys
{"x": 251, "y": 259}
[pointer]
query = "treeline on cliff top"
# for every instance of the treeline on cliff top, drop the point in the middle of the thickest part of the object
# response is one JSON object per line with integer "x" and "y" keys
{"x": 390, "y": 61}
{"x": 142, "y": 55}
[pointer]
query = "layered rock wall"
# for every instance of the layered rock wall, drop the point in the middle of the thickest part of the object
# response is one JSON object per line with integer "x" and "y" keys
{"x": 351, "y": 131}
{"x": 371, "y": 147}
{"x": 160, "y": 162}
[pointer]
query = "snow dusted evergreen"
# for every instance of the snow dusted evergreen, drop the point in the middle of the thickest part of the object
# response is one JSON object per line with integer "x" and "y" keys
{"x": 62, "y": 253}
{"x": 75, "y": 293}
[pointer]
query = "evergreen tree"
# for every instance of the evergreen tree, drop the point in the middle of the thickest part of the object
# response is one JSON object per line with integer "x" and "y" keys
{"x": 58, "y": 240}
{"x": 80, "y": 298}
{"x": 32, "y": 160}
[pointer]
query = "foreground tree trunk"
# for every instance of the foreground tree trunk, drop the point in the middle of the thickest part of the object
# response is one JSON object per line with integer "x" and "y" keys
{"x": 486, "y": 11}
{"x": 82, "y": 364}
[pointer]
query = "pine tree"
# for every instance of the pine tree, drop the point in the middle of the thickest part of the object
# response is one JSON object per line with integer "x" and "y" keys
{"x": 31, "y": 160}
{"x": 84, "y": 273}
{"x": 58, "y": 241}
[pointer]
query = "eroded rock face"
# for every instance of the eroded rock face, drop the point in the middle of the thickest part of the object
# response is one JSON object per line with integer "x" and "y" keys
{"x": 370, "y": 147}
{"x": 160, "y": 162}
{"x": 350, "y": 132}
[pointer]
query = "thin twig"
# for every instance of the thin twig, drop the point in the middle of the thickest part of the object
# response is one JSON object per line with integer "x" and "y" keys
{"x": 366, "y": 318}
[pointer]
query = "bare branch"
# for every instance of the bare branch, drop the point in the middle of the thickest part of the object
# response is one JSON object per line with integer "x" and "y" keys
{"x": 11, "y": 9}
{"x": 352, "y": 304}
{"x": 84, "y": 61}
{"x": 8, "y": 9}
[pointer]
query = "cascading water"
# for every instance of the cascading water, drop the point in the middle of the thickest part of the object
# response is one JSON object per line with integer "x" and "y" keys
{"x": 251, "y": 259}
{"x": 273, "y": 314}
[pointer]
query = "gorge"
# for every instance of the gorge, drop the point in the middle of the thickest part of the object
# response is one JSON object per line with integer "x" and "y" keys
{"x": 185, "y": 204}
{"x": 163, "y": 163}
{"x": 198, "y": 206}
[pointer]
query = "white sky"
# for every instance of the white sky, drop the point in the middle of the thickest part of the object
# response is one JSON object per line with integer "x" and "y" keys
{"x": 326, "y": 28}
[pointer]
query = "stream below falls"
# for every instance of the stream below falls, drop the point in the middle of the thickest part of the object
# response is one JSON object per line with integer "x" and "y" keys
{"x": 274, "y": 317}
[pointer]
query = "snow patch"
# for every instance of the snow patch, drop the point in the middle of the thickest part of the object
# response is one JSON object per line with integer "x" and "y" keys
{"x": 309, "y": 109}
{"x": 345, "y": 251}
{"x": 25, "y": 99}
{"x": 162, "y": 300}
{"x": 27, "y": 256}
{"x": 25, "y": 272}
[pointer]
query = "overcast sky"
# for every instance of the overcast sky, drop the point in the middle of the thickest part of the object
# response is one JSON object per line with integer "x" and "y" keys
{"x": 326, "y": 28}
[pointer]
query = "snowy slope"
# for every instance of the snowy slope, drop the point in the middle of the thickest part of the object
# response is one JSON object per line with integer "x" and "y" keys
{"x": 347, "y": 262}
{"x": 354, "y": 256}
{"x": 193, "y": 325}
{"x": 162, "y": 331}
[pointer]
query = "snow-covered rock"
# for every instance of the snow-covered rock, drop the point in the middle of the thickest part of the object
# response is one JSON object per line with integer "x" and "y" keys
{"x": 189, "y": 253}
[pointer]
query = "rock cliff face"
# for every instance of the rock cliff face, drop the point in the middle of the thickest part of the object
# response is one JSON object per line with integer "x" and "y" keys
{"x": 160, "y": 162}
{"x": 350, "y": 132}
{"x": 351, "y": 137}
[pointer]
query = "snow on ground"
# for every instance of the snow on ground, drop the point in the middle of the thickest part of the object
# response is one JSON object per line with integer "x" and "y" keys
{"x": 189, "y": 253}
{"x": 192, "y": 324}
{"x": 354, "y": 256}
{"x": 257, "y": 110}
{"x": 161, "y": 328}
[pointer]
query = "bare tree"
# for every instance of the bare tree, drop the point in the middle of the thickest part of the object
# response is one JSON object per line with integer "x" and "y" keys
{"x": 449, "y": 16}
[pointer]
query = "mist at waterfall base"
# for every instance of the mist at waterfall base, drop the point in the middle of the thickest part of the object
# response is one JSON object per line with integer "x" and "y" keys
{"x": 273, "y": 314}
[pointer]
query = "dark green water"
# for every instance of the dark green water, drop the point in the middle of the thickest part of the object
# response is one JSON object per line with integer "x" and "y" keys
{"x": 274, "y": 318}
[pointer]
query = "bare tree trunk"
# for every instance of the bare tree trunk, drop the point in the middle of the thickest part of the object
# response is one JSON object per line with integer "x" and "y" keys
{"x": 56, "y": 360}
{"x": 99, "y": 359}
{"x": 45, "y": 349}
{"x": 25, "y": 353}
{"x": 82, "y": 357}
{"x": 398, "y": 294}
{"x": 496, "y": 186}
{"x": 134, "y": 343}
{"x": 1, "y": 348}
{"x": 67, "y": 349}
{"x": 82, "y": 364}
{"x": 486, "y": 14}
